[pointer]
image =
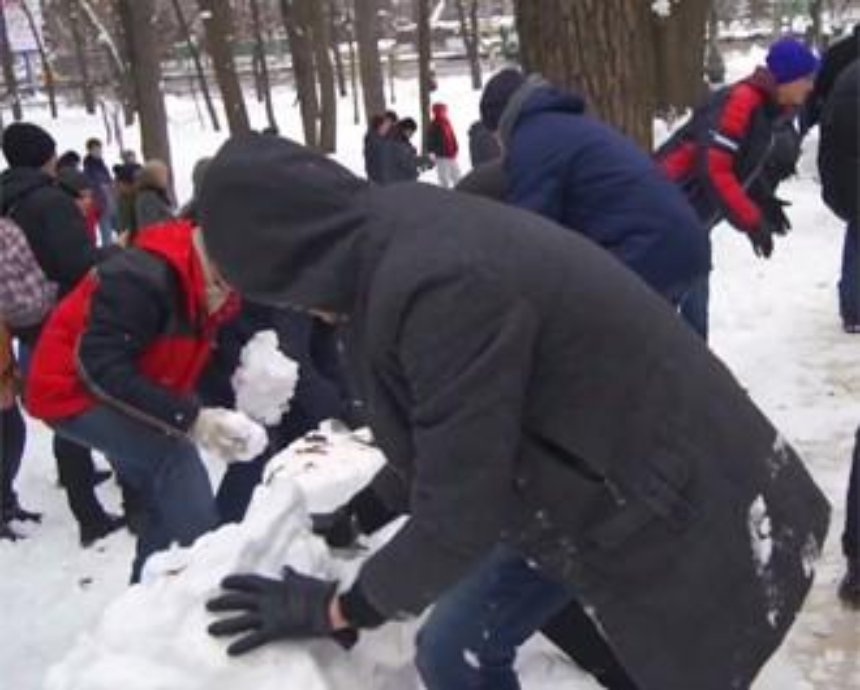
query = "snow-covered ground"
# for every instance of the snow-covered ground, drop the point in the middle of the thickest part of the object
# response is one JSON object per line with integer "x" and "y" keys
{"x": 774, "y": 323}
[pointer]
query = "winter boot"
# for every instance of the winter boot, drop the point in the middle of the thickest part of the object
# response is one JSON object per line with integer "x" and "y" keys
{"x": 14, "y": 511}
{"x": 91, "y": 533}
{"x": 849, "y": 588}
{"x": 7, "y": 533}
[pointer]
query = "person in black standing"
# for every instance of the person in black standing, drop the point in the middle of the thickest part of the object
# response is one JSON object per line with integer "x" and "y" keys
{"x": 56, "y": 232}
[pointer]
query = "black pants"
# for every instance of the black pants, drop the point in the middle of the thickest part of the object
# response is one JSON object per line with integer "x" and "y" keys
{"x": 13, "y": 435}
{"x": 77, "y": 474}
{"x": 851, "y": 535}
{"x": 573, "y": 631}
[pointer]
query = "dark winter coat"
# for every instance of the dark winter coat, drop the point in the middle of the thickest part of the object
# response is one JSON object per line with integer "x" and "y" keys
{"x": 53, "y": 224}
{"x": 839, "y": 150}
{"x": 570, "y": 168}
{"x": 483, "y": 145}
{"x": 134, "y": 335}
{"x": 835, "y": 60}
{"x": 101, "y": 181}
{"x": 374, "y": 143}
{"x": 399, "y": 160}
{"x": 151, "y": 207}
{"x": 717, "y": 157}
{"x": 526, "y": 388}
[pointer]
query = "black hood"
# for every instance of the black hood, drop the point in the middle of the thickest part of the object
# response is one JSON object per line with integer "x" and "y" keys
{"x": 283, "y": 224}
{"x": 18, "y": 183}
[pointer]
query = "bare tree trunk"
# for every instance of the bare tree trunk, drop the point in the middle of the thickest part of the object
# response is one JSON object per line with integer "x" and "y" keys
{"x": 8, "y": 59}
{"x": 80, "y": 45}
{"x": 47, "y": 70}
{"x": 219, "y": 38}
{"x": 325, "y": 73}
{"x": 366, "y": 20}
{"x": 120, "y": 56}
{"x": 425, "y": 74}
{"x": 198, "y": 63}
{"x": 471, "y": 39}
{"x": 815, "y": 32}
{"x": 334, "y": 22}
{"x": 147, "y": 77}
{"x": 679, "y": 43}
{"x": 298, "y": 32}
{"x": 264, "y": 65}
{"x": 353, "y": 69}
{"x": 599, "y": 48}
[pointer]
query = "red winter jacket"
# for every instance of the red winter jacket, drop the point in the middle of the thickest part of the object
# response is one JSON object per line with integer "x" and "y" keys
{"x": 135, "y": 334}
{"x": 717, "y": 156}
{"x": 441, "y": 139}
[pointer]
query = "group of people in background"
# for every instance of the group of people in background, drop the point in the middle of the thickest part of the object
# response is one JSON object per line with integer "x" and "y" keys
{"x": 134, "y": 361}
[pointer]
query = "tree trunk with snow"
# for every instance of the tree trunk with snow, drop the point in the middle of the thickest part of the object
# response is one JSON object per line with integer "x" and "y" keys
{"x": 47, "y": 69}
{"x": 147, "y": 79}
{"x": 220, "y": 38}
{"x": 471, "y": 39}
{"x": 370, "y": 64}
{"x": 80, "y": 47}
{"x": 325, "y": 76}
{"x": 679, "y": 43}
{"x": 600, "y": 48}
{"x": 265, "y": 84}
{"x": 185, "y": 30}
{"x": 294, "y": 13}
{"x": 425, "y": 71}
{"x": 335, "y": 21}
{"x": 8, "y": 60}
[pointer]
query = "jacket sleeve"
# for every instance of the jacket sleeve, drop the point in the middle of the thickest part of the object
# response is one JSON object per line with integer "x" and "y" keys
{"x": 839, "y": 156}
{"x": 723, "y": 143}
{"x": 465, "y": 350}
{"x": 61, "y": 244}
{"x": 127, "y": 314}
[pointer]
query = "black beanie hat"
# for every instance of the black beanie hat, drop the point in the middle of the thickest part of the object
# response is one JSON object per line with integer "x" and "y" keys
{"x": 27, "y": 145}
{"x": 497, "y": 94}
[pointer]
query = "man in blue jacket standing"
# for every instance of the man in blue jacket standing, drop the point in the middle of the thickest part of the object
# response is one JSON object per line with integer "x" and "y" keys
{"x": 566, "y": 165}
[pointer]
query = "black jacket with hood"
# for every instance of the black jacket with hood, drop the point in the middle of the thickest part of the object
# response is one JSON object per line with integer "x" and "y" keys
{"x": 527, "y": 388}
{"x": 839, "y": 150}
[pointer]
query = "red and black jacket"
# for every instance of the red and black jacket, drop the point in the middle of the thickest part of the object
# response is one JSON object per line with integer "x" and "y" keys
{"x": 718, "y": 155}
{"x": 135, "y": 334}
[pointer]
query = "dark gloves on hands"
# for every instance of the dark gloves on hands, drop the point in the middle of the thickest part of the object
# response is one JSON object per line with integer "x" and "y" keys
{"x": 295, "y": 607}
{"x": 762, "y": 240}
{"x": 340, "y": 528}
{"x": 774, "y": 212}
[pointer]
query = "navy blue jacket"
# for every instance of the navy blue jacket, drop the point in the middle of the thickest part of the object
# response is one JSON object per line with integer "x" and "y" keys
{"x": 567, "y": 166}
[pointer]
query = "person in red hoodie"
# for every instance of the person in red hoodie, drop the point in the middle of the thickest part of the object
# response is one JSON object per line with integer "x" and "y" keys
{"x": 443, "y": 147}
{"x": 116, "y": 367}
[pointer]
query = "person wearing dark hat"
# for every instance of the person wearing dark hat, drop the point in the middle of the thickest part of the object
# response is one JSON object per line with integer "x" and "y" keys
{"x": 562, "y": 163}
{"x": 125, "y": 175}
{"x": 70, "y": 159}
{"x": 551, "y": 429}
{"x": 57, "y": 234}
{"x": 102, "y": 182}
{"x": 720, "y": 158}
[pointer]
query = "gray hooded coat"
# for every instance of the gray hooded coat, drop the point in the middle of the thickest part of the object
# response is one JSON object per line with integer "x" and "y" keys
{"x": 527, "y": 388}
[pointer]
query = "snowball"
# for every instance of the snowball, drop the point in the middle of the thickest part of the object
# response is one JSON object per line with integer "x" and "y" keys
{"x": 252, "y": 436}
{"x": 761, "y": 536}
{"x": 265, "y": 380}
{"x": 662, "y": 8}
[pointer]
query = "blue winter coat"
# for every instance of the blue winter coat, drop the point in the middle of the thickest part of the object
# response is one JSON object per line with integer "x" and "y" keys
{"x": 567, "y": 166}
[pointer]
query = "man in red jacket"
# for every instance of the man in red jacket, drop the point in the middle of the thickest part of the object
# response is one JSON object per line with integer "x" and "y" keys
{"x": 116, "y": 367}
{"x": 727, "y": 158}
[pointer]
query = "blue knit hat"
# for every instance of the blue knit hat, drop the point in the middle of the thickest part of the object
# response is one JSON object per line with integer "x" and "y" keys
{"x": 789, "y": 60}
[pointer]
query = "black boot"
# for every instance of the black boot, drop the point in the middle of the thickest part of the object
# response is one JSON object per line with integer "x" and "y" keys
{"x": 7, "y": 533}
{"x": 849, "y": 588}
{"x": 91, "y": 533}
{"x": 13, "y": 511}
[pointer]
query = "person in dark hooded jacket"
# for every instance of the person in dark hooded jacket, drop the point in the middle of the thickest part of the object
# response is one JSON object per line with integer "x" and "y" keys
{"x": 483, "y": 145}
{"x": 399, "y": 159}
{"x": 551, "y": 430}
{"x": 565, "y": 165}
{"x": 374, "y": 144}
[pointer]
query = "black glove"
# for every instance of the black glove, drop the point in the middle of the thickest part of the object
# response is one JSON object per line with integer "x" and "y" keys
{"x": 340, "y": 528}
{"x": 762, "y": 240}
{"x": 774, "y": 212}
{"x": 296, "y": 607}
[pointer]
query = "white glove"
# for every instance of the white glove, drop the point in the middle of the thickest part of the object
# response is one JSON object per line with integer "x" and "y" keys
{"x": 228, "y": 435}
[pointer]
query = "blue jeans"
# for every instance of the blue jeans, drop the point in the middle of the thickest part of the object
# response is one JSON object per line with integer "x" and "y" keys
{"x": 470, "y": 640}
{"x": 849, "y": 298}
{"x": 694, "y": 306}
{"x": 166, "y": 472}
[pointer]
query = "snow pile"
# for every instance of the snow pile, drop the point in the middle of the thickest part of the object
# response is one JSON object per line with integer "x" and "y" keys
{"x": 153, "y": 637}
{"x": 265, "y": 380}
{"x": 251, "y": 437}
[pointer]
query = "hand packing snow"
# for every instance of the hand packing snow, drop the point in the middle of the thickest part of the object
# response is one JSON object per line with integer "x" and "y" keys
{"x": 265, "y": 380}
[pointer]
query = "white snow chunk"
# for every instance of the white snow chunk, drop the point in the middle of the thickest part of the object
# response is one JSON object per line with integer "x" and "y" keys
{"x": 253, "y": 437}
{"x": 761, "y": 535}
{"x": 265, "y": 380}
{"x": 662, "y": 8}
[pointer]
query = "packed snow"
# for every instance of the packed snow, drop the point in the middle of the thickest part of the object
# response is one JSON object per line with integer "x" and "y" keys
{"x": 265, "y": 380}
{"x": 70, "y": 610}
{"x": 250, "y": 436}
